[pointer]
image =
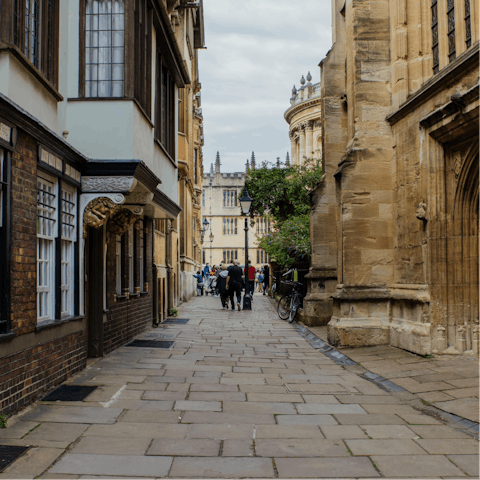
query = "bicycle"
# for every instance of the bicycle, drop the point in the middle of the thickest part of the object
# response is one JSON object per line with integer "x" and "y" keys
{"x": 288, "y": 305}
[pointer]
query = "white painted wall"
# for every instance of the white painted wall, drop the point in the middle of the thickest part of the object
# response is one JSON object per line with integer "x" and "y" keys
{"x": 20, "y": 86}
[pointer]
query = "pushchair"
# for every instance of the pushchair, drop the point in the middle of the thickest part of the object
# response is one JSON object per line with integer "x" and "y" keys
{"x": 210, "y": 285}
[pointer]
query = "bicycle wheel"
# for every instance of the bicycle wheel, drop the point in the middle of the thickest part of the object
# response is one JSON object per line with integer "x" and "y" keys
{"x": 283, "y": 308}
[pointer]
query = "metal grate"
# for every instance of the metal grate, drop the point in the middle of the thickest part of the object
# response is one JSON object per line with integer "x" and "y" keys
{"x": 69, "y": 393}
{"x": 176, "y": 320}
{"x": 150, "y": 344}
{"x": 8, "y": 454}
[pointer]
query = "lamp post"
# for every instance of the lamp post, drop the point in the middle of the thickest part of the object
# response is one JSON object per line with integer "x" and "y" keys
{"x": 245, "y": 204}
{"x": 211, "y": 242}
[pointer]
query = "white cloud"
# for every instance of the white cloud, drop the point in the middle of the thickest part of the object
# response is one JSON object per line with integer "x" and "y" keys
{"x": 256, "y": 51}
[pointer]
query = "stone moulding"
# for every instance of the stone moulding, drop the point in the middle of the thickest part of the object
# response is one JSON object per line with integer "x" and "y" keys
{"x": 108, "y": 184}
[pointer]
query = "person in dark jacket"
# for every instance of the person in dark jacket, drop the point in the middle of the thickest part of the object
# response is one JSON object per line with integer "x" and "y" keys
{"x": 222, "y": 285}
{"x": 199, "y": 278}
{"x": 234, "y": 284}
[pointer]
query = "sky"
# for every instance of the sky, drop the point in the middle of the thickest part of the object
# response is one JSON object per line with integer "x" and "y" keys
{"x": 256, "y": 51}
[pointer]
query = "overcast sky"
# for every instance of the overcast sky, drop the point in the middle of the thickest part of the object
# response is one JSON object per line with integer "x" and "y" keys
{"x": 256, "y": 51}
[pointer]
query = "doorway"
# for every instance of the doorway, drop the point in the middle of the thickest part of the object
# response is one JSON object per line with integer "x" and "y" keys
{"x": 95, "y": 288}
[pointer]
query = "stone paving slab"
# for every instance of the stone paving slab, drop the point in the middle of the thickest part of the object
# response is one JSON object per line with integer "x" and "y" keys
{"x": 238, "y": 448}
{"x": 137, "y": 430}
{"x": 437, "y": 431}
{"x": 468, "y": 463}
{"x": 416, "y": 466}
{"x": 222, "y": 467}
{"x": 368, "y": 419}
{"x": 33, "y": 462}
{"x": 198, "y": 406}
{"x": 322, "y": 409}
{"x": 403, "y": 446}
{"x": 343, "y": 431}
{"x": 222, "y": 432}
{"x": 48, "y": 413}
{"x": 228, "y": 418}
{"x": 112, "y": 446}
{"x": 360, "y": 467}
{"x": 121, "y": 465}
{"x": 18, "y": 429}
{"x": 447, "y": 446}
{"x": 306, "y": 420}
{"x": 185, "y": 447}
{"x": 465, "y": 407}
{"x": 259, "y": 407}
{"x": 389, "y": 431}
{"x": 300, "y": 448}
{"x": 287, "y": 431}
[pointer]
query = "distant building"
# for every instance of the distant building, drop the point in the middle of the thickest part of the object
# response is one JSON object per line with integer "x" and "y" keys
{"x": 221, "y": 208}
{"x": 305, "y": 120}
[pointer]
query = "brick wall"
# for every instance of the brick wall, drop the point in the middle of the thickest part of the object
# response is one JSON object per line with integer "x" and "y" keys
{"x": 24, "y": 235}
{"x": 30, "y": 372}
{"x": 27, "y": 375}
{"x": 127, "y": 317}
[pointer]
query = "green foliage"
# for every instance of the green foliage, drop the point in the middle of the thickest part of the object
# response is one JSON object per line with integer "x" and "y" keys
{"x": 282, "y": 195}
{"x": 289, "y": 242}
{"x": 173, "y": 312}
{"x": 283, "y": 192}
{"x": 3, "y": 421}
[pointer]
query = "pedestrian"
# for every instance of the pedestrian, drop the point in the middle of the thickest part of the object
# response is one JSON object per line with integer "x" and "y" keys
{"x": 251, "y": 278}
{"x": 266, "y": 278}
{"x": 206, "y": 271}
{"x": 200, "y": 283}
{"x": 222, "y": 286}
{"x": 260, "y": 281}
{"x": 234, "y": 284}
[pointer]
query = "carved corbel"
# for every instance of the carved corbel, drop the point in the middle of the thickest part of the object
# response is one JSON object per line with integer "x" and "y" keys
{"x": 120, "y": 222}
{"x": 421, "y": 212}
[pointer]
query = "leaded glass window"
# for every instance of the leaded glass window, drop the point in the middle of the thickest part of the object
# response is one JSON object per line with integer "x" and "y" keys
{"x": 435, "y": 53}
{"x": 468, "y": 25}
{"x": 451, "y": 29}
{"x": 104, "y": 48}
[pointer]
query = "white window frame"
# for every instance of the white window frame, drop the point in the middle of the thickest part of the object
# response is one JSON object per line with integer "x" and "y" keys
{"x": 131, "y": 266}
{"x": 68, "y": 240}
{"x": 141, "y": 248}
{"x": 46, "y": 234}
{"x": 118, "y": 263}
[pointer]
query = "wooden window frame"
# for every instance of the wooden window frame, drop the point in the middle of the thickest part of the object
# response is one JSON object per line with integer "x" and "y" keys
{"x": 143, "y": 55}
{"x": 12, "y": 34}
{"x": 164, "y": 106}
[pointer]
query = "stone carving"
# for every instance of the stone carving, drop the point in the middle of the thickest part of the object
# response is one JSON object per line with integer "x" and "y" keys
{"x": 457, "y": 164}
{"x": 98, "y": 211}
{"x": 421, "y": 212}
{"x": 461, "y": 340}
{"x": 475, "y": 339}
{"x": 121, "y": 221}
{"x": 106, "y": 184}
{"x": 139, "y": 197}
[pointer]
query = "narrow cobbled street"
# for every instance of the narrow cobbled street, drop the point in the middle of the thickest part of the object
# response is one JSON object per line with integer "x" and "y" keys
{"x": 240, "y": 394}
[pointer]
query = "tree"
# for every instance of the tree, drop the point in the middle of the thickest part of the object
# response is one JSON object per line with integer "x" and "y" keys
{"x": 282, "y": 194}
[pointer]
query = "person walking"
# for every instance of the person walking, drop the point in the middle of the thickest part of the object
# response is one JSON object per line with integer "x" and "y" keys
{"x": 266, "y": 278}
{"x": 234, "y": 284}
{"x": 200, "y": 283}
{"x": 251, "y": 278}
{"x": 222, "y": 286}
{"x": 260, "y": 281}
{"x": 206, "y": 271}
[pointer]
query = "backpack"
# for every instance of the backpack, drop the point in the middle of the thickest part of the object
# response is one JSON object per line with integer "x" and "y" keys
{"x": 260, "y": 278}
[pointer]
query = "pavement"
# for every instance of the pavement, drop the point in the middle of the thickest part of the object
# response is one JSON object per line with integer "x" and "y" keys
{"x": 240, "y": 395}
{"x": 446, "y": 382}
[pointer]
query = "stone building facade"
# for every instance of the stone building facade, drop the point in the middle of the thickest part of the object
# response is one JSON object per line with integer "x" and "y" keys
{"x": 89, "y": 168}
{"x": 221, "y": 208}
{"x": 395, "y": 218}
{"x": 304, "y": 118}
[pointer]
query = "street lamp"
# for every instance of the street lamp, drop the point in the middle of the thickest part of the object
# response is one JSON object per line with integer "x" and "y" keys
{"x": 211, "y": 242}
{"x": 245, "y": 204}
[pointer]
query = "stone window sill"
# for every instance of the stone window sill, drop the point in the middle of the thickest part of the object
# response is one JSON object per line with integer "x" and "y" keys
{"x": 46, "y": 324}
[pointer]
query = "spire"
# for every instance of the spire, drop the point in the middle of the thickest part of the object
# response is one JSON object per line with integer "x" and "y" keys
{"x": 253, "y": 161}
{"x": 211, "y": 168}
{"x": 278, "y": 162}
{"x": 217, "y": 163}
{"x": 247, "y": 166}
{"x": 287, "y": 160}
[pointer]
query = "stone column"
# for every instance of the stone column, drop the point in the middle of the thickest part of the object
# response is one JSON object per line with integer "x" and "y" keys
{"x": 302, "y": 145}
{"x": 309, "y": 139}
{"x": 293, "y": 147}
